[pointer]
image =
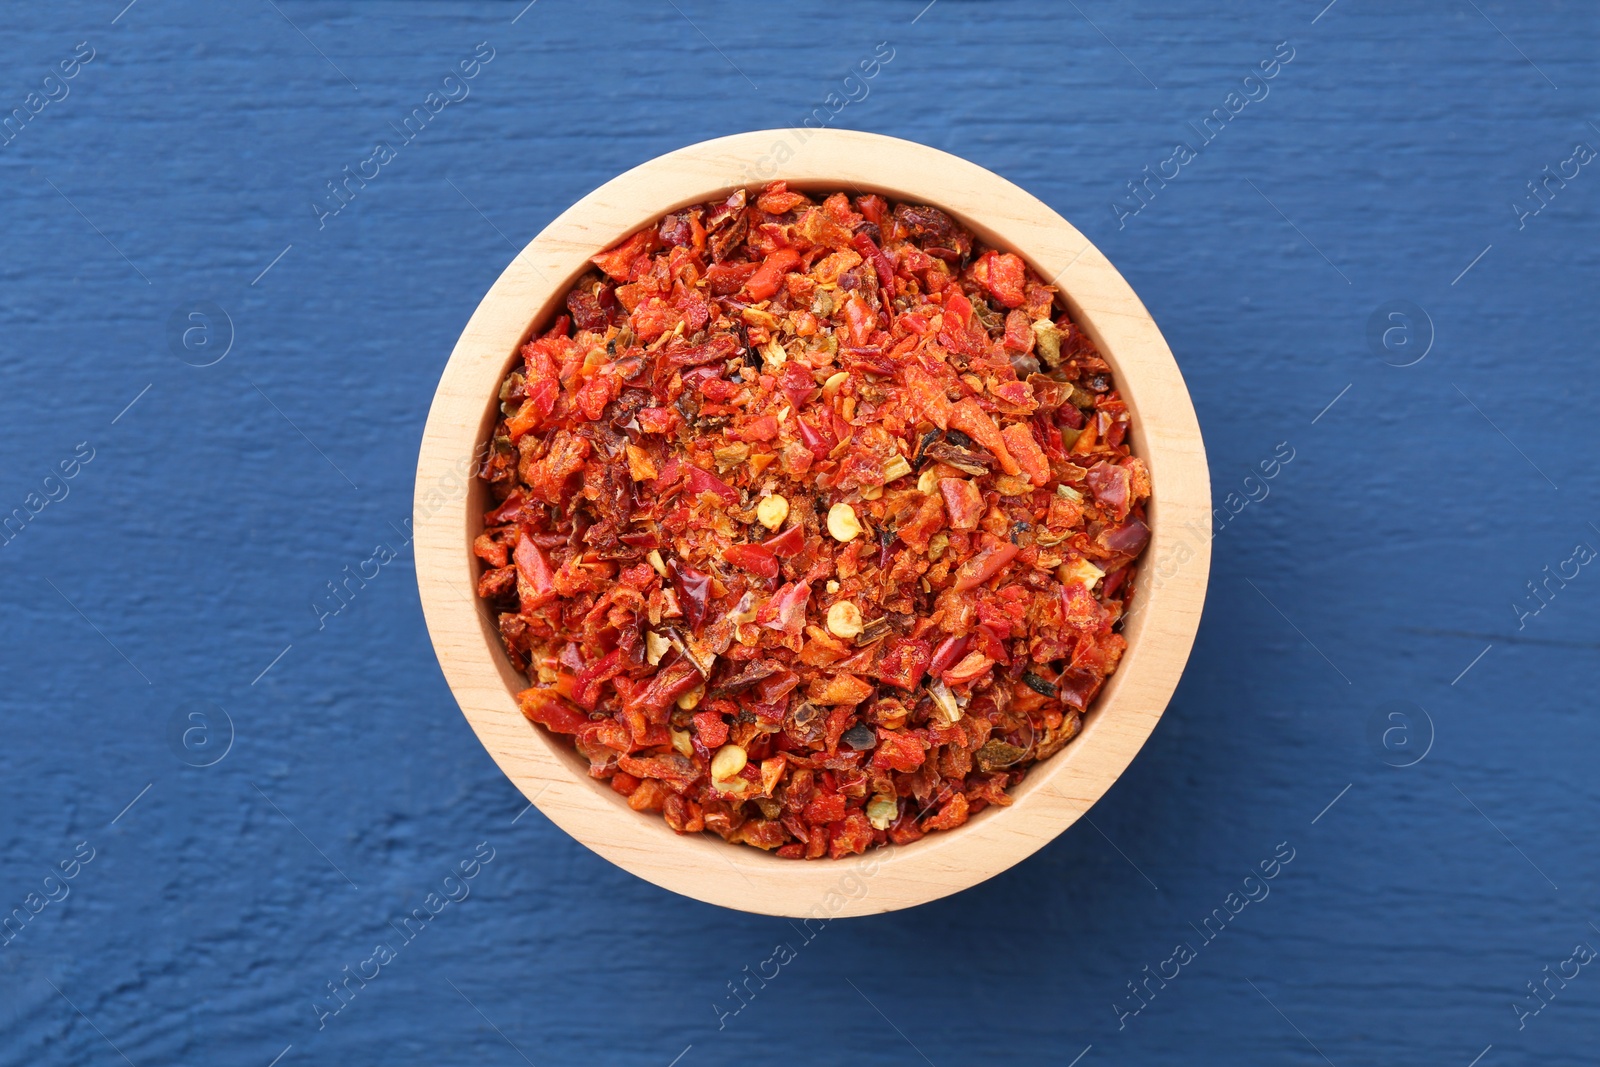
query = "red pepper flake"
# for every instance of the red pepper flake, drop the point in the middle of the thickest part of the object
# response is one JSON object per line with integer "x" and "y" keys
{"x": 971, "y": 419}
{"x": 1004, "y": 275}
{"x": 851, "y": 835}
{"x": 778, "y": 200}
{"x": 534, "y": 568}
{"x": 700, "y": 481}
{"x": 547, "y": 708}
{"x": 786, "y": 611}
{"x": 765, "y": 281}
{"x": 622, "y": 261}
{"x": 880, "y": 262}
{"x": 962, "y": 502}
{"x": 984, "y": 565}
{"x": 1029, "y": 456}
{"x": 753, "y": 558}
{"x": 764, "y": 428}
{"x": 694, "y": 591}
{"x": 899, "y": 750}
{"x": 972, "y": 667}
{"x": 902, "y": 662}
{"x": 824, "y": 808}
{"x": 712, "y": 729}
{"x": 787, "y": 544}
{"x": 761, "y": 360}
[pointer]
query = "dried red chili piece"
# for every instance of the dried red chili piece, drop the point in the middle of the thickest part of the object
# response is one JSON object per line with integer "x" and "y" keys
{"x": 853, "y": 834}
{"x": 786, "y": 611}
{"x": 949, "y": 651}
{"x": 899, "y": 750}
{"x": 753, "y": 558}
{"x": 818, "y": 437}
{"x": 969, "y": 418}
{"x": 824, "y": 808}
{"x": 694, "y": 592}
{"x": 547, "y": 708}
{"x": 587, "y": 312}
{"x": 670, "y": 767}
{"x": 712, "y": 729}
{"x": 534, "y": 569}
{"x": 701, "y": 481}
{"x": 779, "y": 200}
{"x": 664, "y": 687}
{"x": 788, "y": 543}
{"x": 984, "y": 565}
{"x": 1128, "y": 539}
{"x": 880, "y": 262}
{"x": 1029, "y": 456}
{"x": 951, "y": 815}
{"x": 494, "y": 583}
{"x": 823, "y": 490}
{"x": 765, "y": 281}
{"x": 725, "y": 279}
{"x": 621, "y": 261}
{"x": 962, "y": 502}
{"x": 902, "y": 662}
{"x": 1004, "y": 275}
{"x": 973, "y": 665}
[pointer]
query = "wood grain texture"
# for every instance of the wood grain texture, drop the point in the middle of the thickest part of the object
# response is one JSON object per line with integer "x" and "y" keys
{"x": 1160, "y": 631}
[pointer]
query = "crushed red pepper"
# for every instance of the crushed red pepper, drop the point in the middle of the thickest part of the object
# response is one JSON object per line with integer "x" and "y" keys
{"x": 814, "y": 523}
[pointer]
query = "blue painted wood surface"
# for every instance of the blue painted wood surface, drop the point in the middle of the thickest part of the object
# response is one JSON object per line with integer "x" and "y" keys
{"x": 1377, "y": 691}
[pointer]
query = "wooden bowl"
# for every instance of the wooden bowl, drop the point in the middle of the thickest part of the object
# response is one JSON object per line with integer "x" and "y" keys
{"x": 1171, "y": 585}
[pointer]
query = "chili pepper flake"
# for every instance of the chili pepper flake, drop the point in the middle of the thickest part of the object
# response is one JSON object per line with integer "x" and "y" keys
{"x": 813, "y": 521}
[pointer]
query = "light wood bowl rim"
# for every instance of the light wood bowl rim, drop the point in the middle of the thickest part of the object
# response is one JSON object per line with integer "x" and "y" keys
{"x": 1160, "y": 632}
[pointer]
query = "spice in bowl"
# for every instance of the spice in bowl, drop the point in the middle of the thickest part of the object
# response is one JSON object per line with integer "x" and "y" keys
{"x": 814, "y": 521}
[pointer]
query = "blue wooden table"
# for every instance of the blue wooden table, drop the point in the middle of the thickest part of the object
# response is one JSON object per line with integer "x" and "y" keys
{"x": 1362, "y": 834}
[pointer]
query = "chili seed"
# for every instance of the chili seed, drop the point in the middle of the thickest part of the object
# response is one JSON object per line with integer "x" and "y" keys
{"x": 842, "y": 522}
{"x": 772, "y": 510}
{"x": 844, "y": 619}
{"x": 728, "y": 761}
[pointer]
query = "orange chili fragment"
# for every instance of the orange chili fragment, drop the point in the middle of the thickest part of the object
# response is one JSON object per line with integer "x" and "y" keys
{"x": 765, "y": 281}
